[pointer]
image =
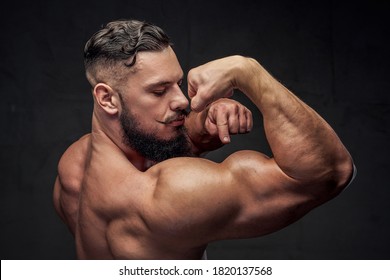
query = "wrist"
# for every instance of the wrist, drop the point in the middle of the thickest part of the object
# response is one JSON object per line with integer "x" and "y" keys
{"x": 254, "y": 81}
{"x": 245, "y": 73}
{"x": 195, "y": 131}
{"x": 200, "y": 140}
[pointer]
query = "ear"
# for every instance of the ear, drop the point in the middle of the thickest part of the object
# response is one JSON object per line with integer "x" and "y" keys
{"x": 107, "y": 98}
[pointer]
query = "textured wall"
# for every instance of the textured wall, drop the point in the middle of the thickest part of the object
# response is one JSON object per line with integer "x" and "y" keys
{"x": 334, "y": 56}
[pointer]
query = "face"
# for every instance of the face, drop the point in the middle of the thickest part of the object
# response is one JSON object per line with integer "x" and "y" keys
{"x": 148, "y": 144}
{"x": 153, "y": 107}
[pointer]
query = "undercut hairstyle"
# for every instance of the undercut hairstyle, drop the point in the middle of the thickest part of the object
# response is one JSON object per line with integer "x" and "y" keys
{"x": 117, "y": 44}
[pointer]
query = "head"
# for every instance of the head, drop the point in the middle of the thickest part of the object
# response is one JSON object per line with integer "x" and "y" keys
{"x": 136, "y": 81}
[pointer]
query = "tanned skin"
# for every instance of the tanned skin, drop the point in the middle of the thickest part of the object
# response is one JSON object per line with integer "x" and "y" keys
{"x": 119, "y": 206}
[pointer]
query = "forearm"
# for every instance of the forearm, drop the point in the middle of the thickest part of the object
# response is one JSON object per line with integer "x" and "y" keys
{"x": 304, "y": 146}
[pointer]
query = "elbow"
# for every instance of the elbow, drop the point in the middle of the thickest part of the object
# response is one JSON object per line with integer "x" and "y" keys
{"x": 341, "y": 175}
{"x": 334, "y": 179}
{"x": 349, "y": 173}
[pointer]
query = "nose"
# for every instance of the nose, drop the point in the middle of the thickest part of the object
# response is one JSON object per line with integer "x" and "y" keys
{"x": 179, "y": 101}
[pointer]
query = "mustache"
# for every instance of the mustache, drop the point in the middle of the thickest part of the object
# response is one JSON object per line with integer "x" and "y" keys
{"x": 178, "y": 116}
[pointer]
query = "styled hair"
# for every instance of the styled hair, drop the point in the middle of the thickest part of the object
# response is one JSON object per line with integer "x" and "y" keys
{"x": 120, "y": 41}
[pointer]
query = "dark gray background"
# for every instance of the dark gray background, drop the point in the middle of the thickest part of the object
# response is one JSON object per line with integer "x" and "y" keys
{"x": 334, "y": 55}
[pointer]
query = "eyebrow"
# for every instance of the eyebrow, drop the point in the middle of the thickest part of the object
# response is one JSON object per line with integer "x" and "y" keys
{"x": 160, "y": 84}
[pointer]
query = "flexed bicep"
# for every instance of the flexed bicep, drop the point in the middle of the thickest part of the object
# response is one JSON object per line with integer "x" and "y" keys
{"x": 197, "y": 201}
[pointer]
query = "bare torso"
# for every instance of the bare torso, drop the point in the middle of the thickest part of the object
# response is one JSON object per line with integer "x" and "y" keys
{"x": 105, "y": 201}
{"x": 118, "y": 208}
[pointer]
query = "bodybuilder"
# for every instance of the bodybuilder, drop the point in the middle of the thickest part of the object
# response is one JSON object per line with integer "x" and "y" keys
{"x": 134, "y": 189}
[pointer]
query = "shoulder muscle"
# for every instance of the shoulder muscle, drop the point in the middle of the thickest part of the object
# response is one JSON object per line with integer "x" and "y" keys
{"x": 203, "y": 201}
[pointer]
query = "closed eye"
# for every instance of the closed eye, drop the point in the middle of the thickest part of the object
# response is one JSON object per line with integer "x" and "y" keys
{"x": 160, "y": 88}
{"x": 160, "y": 92}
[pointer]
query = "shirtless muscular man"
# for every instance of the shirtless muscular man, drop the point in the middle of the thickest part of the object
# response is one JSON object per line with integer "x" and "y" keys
{"x": 134, "y": 189}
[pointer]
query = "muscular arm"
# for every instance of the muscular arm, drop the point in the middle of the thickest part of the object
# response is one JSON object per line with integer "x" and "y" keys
{"x": 250, "y": 194}
{"x": 304, "y": 146}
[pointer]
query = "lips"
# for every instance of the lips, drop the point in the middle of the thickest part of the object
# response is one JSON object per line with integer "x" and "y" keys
{"x": 174, "y": 120}
{"x": 177, "y": 122}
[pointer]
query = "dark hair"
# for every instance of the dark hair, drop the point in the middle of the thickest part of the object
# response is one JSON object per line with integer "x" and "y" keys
{"x": 121, "y": 40}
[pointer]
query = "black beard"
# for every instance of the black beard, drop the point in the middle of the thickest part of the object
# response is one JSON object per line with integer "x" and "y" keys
{"x": 148, "y": 145}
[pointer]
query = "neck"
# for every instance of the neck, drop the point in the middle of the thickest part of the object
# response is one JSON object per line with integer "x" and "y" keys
{"x": 107, "y": 131}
